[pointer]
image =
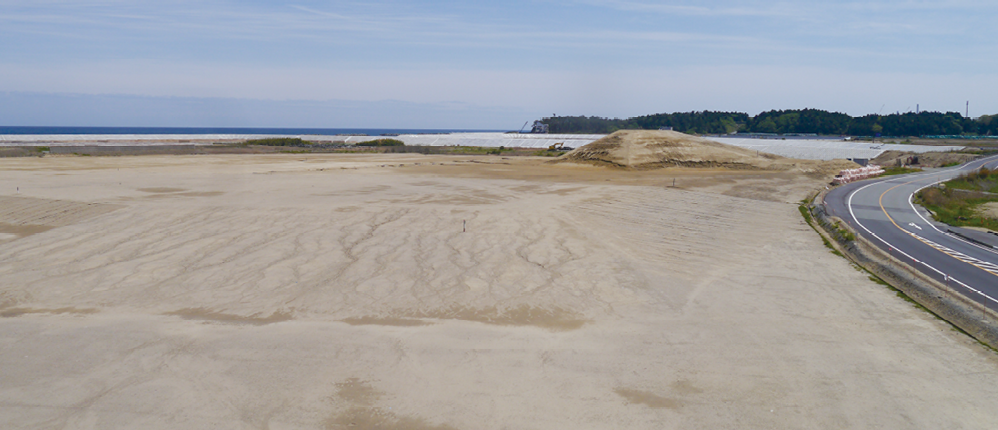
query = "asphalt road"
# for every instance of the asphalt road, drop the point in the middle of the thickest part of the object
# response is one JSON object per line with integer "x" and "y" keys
{"x": 882, "y": 211}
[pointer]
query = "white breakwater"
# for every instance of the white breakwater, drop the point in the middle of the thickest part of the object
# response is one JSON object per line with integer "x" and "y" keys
{"x": 821, "y": 149}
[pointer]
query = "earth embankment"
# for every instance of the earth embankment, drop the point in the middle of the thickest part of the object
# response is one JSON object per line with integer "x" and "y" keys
{"x": 925, "y": 159}
{"x": 651, "y": 149}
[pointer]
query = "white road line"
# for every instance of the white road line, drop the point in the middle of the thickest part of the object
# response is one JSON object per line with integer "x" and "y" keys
{"x": 985, "y": 265}
{"x": 945, "y": 276}
{"x": 912, "y": 204}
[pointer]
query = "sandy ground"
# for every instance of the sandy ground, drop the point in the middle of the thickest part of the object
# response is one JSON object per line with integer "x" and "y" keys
{"x": 339, "y": 291}
{"x": 989, "y": 210}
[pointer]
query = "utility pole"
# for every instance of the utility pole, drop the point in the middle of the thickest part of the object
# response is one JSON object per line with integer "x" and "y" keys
{"x": 968, "y": 108}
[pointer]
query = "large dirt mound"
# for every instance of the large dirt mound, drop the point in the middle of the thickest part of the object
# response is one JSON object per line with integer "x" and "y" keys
{"x": 650, "y": 149}
{"x": 926, "y": 159}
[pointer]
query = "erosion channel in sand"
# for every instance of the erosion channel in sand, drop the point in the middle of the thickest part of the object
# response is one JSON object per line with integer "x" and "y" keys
{"x": 339, "y": 291}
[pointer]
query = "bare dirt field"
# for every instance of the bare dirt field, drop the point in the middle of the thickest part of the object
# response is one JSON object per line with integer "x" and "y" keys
{"x": 444, "y": 292}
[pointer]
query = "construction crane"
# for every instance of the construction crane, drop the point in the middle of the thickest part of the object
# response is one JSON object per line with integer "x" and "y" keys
{"x": 524, "y": 126}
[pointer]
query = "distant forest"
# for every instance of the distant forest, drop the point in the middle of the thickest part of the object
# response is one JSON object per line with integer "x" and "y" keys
{"x": 806, "y": 121}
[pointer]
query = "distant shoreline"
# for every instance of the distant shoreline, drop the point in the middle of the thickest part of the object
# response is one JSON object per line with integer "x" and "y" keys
{"x": 813, "y": 149}
{"x": 253, "y": 131}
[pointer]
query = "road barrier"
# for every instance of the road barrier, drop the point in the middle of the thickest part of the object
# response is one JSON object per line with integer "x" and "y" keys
{"x": 850, "y": 175}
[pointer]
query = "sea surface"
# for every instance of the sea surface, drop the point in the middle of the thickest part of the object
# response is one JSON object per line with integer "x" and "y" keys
{"x": 21, "y": 130}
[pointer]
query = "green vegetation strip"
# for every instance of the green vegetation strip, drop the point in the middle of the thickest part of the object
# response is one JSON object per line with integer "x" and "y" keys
{"x": 382, "y": 142}
{"x": 806, "y": 213}
{"x": 278, "y": 141}
{"x": 956, "y": 202}
{"x": 794, "y": 121}
{"x": 474, "y": 150}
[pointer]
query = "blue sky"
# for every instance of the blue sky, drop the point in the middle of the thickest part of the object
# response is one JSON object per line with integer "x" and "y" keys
{"x": 487, "y": 65}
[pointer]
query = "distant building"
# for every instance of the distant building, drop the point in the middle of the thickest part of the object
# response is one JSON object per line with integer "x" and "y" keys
{"x": 539, "y": 127}
{"x": 665, "y": 128}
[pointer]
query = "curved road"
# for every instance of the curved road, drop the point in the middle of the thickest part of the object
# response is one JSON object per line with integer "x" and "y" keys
{"x": 881, "y": 210}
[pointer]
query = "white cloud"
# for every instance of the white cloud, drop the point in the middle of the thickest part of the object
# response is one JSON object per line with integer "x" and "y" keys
{"x": 769, "y": 9}
{"x": 619, "y": 58}
{"x": 593, "y": 92}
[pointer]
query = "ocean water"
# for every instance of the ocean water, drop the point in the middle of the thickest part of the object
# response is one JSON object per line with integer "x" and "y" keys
{"x": 21, "y": 130}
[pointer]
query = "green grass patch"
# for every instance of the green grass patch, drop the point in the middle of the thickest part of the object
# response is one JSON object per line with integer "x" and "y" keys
{"x": 476, "y": 150}
{"x": 278, "y": 141}
{"x": 956, "y": 202}
{"x": 846, "y": 235}
{"x": 981, "y": 180}
{"x": 810, "y": 197}
{"x": 805, "y": 213}
{"x": 829, "y": 246}
{"x": 951, "y": 164}
{"x": 549, "y": 153}
{"x": 43, "y": 149}
{"x": 809, "y": 219}
{"x": 898, "y": 170}
{"x": 468, "y": 150}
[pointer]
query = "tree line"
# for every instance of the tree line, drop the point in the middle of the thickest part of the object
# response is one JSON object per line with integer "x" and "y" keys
{"x": 794, "y": 121}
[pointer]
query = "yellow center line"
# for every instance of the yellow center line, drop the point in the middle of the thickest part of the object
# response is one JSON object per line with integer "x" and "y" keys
{"x": 881, "y": 202}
